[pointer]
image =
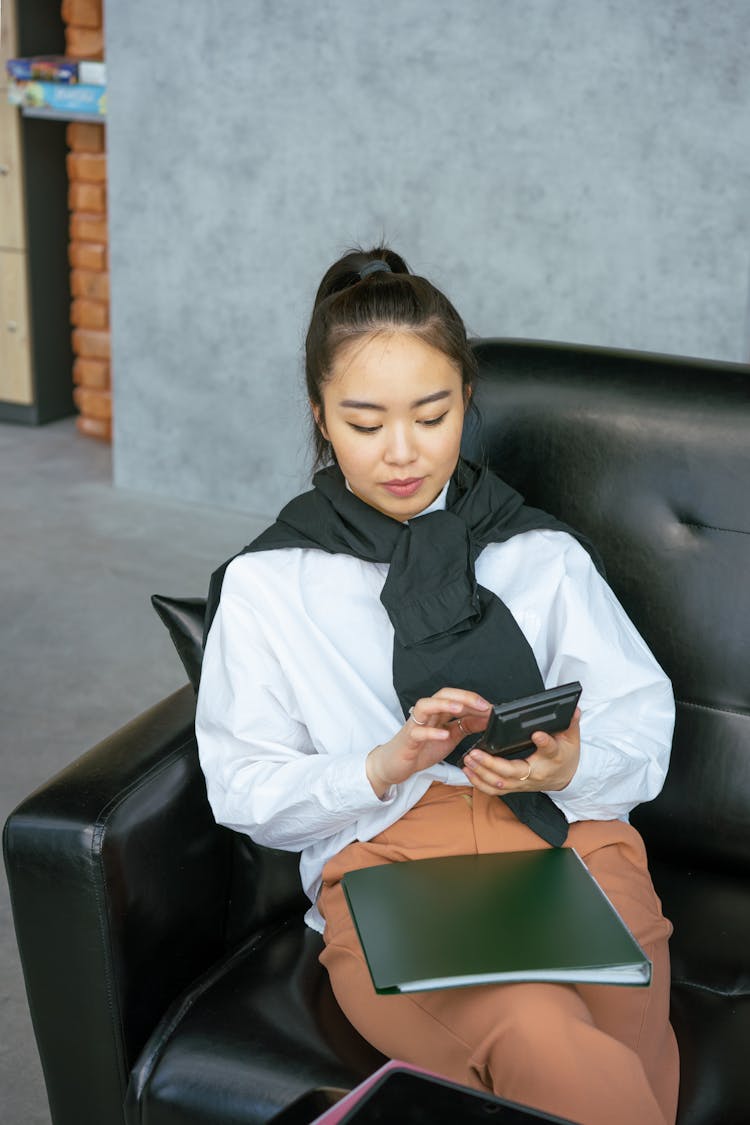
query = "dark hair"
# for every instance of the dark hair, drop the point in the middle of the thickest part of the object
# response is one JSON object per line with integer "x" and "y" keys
{"x": 348, "y": 307}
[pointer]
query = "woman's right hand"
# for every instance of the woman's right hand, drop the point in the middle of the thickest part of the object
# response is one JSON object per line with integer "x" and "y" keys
{"x": 430, "y": 733}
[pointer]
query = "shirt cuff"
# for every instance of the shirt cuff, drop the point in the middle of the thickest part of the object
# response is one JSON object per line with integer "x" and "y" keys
{"x": 586, "y": 781}
{"x": 351, "y": 786}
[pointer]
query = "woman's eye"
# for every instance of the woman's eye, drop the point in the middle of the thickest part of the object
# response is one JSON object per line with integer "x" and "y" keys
{"x": 422, "y": 422}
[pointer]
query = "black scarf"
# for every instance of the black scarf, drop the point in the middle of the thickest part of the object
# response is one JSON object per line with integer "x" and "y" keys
{"x": 448, "y": 630}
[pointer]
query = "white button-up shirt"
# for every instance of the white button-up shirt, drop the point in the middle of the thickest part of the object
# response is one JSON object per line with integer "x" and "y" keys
{"x": 297, "y": 688}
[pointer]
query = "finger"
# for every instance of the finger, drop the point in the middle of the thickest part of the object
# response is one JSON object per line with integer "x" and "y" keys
{"x": 419, "y": 735}
{"x": 490, "y": 788}
{"x": 430, "y": 710}
{"x": 548, "y": 743}
{"x": 491, "y": 765}
{"x": 469, "y": 700}
{"x": 501, "y": 773}
{"x": 527, "y": 771}
{"x": 485, "y": 773}
{"x": 469, "y": 724}
{"x": 421, "y": 716}
{"x": 443, "y": 707}
{"x": 544, "y": 742}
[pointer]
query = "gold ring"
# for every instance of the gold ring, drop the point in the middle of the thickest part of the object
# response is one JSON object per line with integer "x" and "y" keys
{"x": 526, "y": 776}
{"x": 413, "y": 717}
{"x": 462, "y": 728}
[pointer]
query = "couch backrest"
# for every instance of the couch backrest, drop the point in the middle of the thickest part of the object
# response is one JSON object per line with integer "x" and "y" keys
{"x": 650, "y": 456}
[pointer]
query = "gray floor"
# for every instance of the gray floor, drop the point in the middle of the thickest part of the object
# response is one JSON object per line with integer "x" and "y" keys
{"x": 82, "y": 651}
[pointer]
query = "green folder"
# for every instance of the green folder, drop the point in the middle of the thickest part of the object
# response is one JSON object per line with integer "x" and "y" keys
{"x": 465, "y": 920}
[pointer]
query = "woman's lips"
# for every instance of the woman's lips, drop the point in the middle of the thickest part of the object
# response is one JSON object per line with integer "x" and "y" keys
{"x": 403, "y": 488}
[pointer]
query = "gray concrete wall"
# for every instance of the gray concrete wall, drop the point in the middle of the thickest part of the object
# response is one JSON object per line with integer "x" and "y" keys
{"x": 565, "y": 169}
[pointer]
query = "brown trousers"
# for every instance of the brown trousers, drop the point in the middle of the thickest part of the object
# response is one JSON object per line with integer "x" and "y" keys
{"x": 596, "y": 1054}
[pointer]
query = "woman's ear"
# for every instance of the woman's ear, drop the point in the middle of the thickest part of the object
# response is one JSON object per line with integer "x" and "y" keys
{"x": 317, "y": 413}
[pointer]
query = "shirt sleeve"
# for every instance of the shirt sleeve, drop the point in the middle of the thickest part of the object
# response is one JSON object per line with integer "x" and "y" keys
{"x": 627, "y": 702}
{"x": 264, "y": 776}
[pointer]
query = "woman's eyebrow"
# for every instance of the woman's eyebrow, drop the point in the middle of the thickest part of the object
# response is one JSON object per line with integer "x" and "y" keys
{"x": 356, "y": 404}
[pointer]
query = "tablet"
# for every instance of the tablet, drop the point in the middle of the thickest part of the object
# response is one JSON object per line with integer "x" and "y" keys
{"x": 409, "y": 1098}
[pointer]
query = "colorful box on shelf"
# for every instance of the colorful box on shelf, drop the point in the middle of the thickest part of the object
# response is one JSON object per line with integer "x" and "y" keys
{"x": 59, "y": 97}
{"x": 57, "y": 68}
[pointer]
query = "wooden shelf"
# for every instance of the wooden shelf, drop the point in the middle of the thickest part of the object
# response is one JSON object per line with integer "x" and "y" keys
{"x": 57, "y": 115}
{"x": 36, "y": 358}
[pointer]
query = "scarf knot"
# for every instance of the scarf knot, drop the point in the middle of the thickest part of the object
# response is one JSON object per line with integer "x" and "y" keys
{"x": 431, "y": 589}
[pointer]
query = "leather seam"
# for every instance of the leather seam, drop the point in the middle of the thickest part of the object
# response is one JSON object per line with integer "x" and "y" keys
{"x": 138, "y": 783}
{"x": 99, "y": 828}
{"x": 707, "y": 988}
{"x": 708, "y": 707}
{"x": 712, "y": 527}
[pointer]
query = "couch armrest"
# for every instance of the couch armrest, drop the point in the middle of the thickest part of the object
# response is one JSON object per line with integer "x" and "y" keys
{"x": 119, "y": 879}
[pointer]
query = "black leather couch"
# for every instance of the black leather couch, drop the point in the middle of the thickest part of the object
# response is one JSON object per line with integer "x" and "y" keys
{"x": 170, "y": 977}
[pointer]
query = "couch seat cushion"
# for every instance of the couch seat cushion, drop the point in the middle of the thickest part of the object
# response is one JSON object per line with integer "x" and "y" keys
{"x": 259, "y": 1031}
{"x": 710, "y": 1010}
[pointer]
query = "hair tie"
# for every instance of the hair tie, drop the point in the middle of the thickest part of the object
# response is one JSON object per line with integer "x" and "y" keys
{"x": 375, "y": 266}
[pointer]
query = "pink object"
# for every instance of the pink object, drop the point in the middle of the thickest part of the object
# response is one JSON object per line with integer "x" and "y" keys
{"x": 337, "y": 1111}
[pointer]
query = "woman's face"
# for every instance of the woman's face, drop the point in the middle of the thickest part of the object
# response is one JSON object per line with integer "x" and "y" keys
{"x": 393, "y": 410}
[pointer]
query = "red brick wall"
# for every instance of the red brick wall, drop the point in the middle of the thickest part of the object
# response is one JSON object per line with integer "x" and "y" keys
{"x": 87, "y": 201}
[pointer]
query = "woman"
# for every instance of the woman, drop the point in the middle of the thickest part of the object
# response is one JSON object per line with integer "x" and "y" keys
{"x": 358, "y": 641}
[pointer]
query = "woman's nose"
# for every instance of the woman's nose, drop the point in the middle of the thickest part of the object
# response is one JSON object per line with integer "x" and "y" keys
{"x": 400, "y": 446}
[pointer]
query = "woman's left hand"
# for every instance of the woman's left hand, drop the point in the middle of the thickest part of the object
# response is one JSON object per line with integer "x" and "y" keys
{"x": 550, "y": 767}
